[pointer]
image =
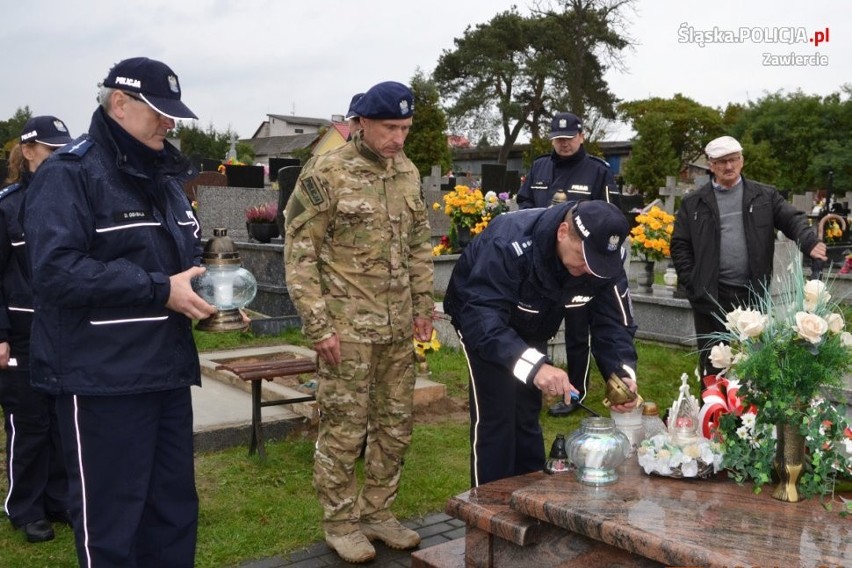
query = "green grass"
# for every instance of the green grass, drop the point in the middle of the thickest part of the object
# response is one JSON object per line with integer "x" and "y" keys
{"x": 252, "y": 509}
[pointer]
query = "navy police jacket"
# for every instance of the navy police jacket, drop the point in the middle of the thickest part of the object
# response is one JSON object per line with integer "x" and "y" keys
{"x": 103, "y": 240}
{"x": 16, "y": 296}
{"x": 581, "y": 176}
{"x": 509, "y": 293}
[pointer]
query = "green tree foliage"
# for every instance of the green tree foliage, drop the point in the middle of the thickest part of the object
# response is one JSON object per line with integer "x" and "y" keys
{"x": 691, "y": 125}
{"x": 653, "y": 157}
{"x": 426, "y": 144}
{"x": 538, "y": 147}
{"x": 206, "y": 143}
{"x": 807, "y": 135}
{"x": 10, "y": 129}
{"x": 514, "y": 72}
{"x": 759, "y": 163}
{"x": 245, "y": 152}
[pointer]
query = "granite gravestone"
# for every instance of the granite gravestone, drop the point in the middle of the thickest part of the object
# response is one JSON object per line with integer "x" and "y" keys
{"x": 244, "y": 176}
{"x": 275, "y": 164}
{"x": 512, "y": 182}
{"x": 287, "y": 178}
{"x": 493, "y": 177}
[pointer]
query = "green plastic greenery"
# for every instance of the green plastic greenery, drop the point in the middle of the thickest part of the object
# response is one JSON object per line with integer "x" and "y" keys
{"x": 784, "y": 353}
{"x": 788, "y": 349}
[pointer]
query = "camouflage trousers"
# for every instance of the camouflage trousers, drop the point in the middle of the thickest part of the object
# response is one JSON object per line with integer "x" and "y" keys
{"x": 368, "y": 396}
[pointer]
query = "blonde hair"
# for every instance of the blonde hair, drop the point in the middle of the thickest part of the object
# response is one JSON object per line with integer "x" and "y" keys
{"x": 16, "y": 165}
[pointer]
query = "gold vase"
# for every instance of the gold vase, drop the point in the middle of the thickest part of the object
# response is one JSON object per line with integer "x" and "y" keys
{"x": 789, "y": 457}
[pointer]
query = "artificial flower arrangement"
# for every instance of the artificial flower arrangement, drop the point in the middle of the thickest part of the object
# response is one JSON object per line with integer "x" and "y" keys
{"x": 651, "y": 237}
{"x": 444, "y": 246}
{"x": 468, "y": 208}
{"x": 229, "y": 162}
{"x": 659, "y": 454}
{"x": 265, "y": 213}
{"x": 423, "y": 348}
{"x": 833, "y": 233}
{"x": 681, "y": 451}
{"x": 776, "y": 361}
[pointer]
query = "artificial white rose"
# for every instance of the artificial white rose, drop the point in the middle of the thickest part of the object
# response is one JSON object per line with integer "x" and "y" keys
{"x": 815, "y": 293}
{"x": 750, "y": 324}
{"x": 721, "y": 356}
{"x": 810, "y": 327}
{"x": 846, "y": 339}
{"x": 731, "y": 319}
{"x": 835, "y": 323}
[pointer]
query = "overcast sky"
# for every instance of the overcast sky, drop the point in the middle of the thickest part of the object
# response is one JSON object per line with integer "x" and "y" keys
{"x": 240, "y": 60}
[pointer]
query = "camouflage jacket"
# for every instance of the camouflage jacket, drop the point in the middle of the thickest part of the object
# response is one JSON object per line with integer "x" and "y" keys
{"x": 358, "y": 255}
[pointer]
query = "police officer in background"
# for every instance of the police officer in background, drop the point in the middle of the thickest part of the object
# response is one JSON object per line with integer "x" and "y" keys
{"x": 38, "y": 485}
{"x": 570, "y": 173}
{"x": 358, "y": 262}
{"x": 507, "y": 295}
{"x": 113, "y": 244}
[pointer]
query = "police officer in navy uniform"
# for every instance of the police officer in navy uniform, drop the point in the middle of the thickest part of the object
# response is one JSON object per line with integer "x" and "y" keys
{"x": 570, "y": 173}
{"x": 113, "y": 246}
{"x": 38, "y": 485}
{"x": 507, "y": 296}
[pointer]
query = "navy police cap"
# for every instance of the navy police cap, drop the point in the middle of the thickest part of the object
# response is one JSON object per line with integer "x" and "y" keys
{"x": 388, "y": 100}
{"x": 565, "y": 125}
{"x": 602, "y": 227}
{"x": 47, "y": 130}
{"x": 155, "y": 83}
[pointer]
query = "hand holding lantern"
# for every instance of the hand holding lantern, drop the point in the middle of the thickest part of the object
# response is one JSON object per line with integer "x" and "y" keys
{"x": 225, "y": 284}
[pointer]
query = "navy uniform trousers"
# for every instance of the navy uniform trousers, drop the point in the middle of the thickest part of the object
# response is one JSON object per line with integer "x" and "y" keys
{"x": 131, "y": 478}
{"x": 578, "y": 349}
{"x": 38, "y": 486}
{"x": 505, "y": 432}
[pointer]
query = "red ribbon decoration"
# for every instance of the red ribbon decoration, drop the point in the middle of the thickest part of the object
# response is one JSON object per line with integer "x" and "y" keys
{"x": 720, "y": 397}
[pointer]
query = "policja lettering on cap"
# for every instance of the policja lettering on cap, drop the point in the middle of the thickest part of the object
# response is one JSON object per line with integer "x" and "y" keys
{"x": 155, "y": 83}
{"x": 47, "y": 130}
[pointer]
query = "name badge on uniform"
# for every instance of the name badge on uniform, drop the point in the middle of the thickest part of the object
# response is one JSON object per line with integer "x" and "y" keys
{"x": 130, "y": 216}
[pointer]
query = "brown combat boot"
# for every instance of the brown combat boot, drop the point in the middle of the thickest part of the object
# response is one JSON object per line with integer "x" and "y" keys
{"x": 390, "y": 532}
{"x": 352, "y": 547}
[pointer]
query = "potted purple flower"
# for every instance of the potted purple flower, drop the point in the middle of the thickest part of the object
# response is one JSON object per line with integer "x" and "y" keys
{"x": 260, "y": 222}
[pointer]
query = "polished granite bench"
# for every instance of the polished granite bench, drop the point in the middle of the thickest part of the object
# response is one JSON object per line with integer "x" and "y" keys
{"x": 553, "y": 521}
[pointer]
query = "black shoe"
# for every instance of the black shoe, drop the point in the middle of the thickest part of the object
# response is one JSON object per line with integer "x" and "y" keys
{"x": 562, "y": 409}
{"x": 38, "y": 531}
{"x": 62, "y": 517}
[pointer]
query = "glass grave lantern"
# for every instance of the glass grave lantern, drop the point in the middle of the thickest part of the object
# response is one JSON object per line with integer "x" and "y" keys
{"x": 225, "y": 284}
{"x": 683, "y": 417}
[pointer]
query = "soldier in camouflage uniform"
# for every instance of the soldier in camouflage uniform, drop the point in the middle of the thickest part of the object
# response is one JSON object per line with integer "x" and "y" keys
{"x": 358, "y": 265}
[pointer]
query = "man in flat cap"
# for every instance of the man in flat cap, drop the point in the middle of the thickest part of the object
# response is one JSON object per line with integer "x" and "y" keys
{"x": 570, "y": 173}
{"x": 113, "y": 244}
{"x": 738, "y": 216}
{"x": 358, "y": 262}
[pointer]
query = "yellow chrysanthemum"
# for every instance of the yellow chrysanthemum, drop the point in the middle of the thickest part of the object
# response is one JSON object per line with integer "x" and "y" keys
{"x": 652, "y": 234}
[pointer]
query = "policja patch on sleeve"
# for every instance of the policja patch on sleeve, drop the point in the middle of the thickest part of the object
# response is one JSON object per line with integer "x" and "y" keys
{"x": 313, "y": 189}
